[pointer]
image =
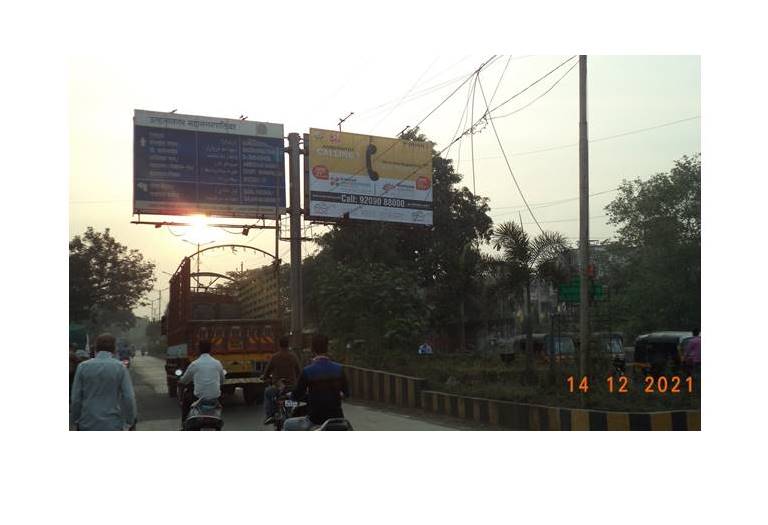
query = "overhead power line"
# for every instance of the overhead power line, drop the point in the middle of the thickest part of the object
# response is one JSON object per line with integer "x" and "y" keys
{"x": 512, "y": 173}
{"x": 551, "y": 203}
{"x": 540, "y": 96}
{"x": 446, "y": 99}
{"x": 623, "y": 134}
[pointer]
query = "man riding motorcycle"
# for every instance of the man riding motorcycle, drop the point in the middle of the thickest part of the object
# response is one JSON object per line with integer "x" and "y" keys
{"x": 207, "y": 374}
{"x": 283, "y": 370}
{"x": 323, "y": 383}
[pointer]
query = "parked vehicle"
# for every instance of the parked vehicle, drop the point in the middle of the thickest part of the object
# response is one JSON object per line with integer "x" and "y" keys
{"x": 611, "y": 345}
{"x": 545, "y": 346}
{"x": 658, "y": 353}
{"x": 243, "y": 346}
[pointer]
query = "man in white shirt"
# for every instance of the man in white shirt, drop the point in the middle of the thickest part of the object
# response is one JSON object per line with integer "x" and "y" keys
{"x": 102, "y": 394}
{"x": 207, "y": 375}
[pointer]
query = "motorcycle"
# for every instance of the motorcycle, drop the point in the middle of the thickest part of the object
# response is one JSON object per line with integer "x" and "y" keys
{"x": 204, "y": 414}
{"x": 295, "y": 418}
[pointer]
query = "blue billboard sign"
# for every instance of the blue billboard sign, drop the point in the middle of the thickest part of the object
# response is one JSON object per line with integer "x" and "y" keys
{"x": 185, "y": 165}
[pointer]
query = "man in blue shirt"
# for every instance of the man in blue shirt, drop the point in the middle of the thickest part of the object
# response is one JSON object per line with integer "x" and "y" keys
{"x": 102, "y": 394}
{"x": 323, "y": 383}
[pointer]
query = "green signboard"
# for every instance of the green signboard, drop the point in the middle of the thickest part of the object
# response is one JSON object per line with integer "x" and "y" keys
{"x": 570, "y": 292}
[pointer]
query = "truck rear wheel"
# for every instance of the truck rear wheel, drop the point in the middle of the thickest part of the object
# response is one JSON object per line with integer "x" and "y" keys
{"x": 251, "y": 394}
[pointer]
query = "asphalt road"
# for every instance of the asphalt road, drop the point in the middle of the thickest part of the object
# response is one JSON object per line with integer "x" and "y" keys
{"x": 158, "y": 411}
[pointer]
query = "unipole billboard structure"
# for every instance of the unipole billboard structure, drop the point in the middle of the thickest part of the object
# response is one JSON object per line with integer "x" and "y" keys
{"x": 186, "y": 164}
{"x": 351, "y": 176}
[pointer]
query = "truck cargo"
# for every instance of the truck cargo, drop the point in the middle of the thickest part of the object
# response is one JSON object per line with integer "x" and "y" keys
{"x": 243, "y": 345}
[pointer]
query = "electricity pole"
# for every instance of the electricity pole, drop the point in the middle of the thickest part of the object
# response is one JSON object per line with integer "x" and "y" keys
{"x": 583, "y": 219}
{"x": 294, "y": 176}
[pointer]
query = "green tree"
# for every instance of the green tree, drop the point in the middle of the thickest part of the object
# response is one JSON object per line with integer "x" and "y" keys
{"x": 654, "y": 266}
{"x": 525, "y": 260}
{"x": 441, "y": 261}
{"x": 106, "y": 279}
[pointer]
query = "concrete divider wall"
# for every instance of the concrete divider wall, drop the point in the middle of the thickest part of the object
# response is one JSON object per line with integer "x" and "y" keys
{"x": 521, "y": 416}
{"x": 411, "y": 392}
{"x": 385, "y": 387}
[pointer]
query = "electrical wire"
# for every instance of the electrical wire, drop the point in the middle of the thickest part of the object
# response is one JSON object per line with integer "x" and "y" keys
{"x": 553, "y": 203}
{"x": 446, "y": 99}
{"x": 532, "y": 84}
{"x": 403, "y": 97}
{"x": 501, "y": 147}
{"x": 618, "y": 135}
{"x": 501, "y": 77}
{"x": 542, "y": 95}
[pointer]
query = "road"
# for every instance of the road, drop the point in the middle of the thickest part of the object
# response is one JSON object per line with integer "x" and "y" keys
{"x": 157, "y": 411}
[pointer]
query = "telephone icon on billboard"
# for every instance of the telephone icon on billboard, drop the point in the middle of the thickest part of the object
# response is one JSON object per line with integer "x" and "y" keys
{"x": 369, "y": 151}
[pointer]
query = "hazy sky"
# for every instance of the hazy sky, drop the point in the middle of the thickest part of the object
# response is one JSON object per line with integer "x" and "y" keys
{"x": 387, "y": 93}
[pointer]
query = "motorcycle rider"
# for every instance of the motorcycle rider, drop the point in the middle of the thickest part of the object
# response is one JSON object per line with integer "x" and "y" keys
{"x": 324, "y": 384}
{"x": 207, "y": 374}
{"x": 283, "y": 365}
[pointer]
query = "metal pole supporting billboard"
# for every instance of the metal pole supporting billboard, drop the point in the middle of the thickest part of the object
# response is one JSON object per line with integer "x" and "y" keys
{"x": 294, "y": 175}
{"x": 583, "y": 219}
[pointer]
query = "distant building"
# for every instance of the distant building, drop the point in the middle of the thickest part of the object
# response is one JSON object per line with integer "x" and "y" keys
{"x": 258, "y": 294}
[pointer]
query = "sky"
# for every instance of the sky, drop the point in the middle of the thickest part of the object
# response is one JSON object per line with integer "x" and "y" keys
{"x": 626, "y": 94}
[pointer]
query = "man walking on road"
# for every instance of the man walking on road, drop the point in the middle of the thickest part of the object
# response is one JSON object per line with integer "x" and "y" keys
{"x": 207, "y": 374}
{"x": 102, "y": 394}
{"x": 283, "y": 365}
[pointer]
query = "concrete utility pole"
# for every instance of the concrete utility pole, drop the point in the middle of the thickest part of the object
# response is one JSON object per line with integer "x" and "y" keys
{"x": 583, "y": 219}
{"x": 294, "y": 176}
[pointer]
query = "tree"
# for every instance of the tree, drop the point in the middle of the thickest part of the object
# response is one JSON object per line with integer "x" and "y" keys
{"x": 654, "y": 265}
{"x": 441, "y": 261}
{"x": 106, "y": 279}
{"x": 524, "y": 260}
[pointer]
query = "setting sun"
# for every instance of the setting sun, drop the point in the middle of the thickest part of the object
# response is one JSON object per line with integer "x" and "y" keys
{"x": 199, "y": 232}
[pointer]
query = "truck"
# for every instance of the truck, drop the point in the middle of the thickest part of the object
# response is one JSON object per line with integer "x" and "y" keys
{"x": 243, "y": 345}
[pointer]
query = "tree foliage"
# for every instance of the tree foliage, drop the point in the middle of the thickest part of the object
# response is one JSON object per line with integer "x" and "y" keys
{"x": 106, "y": 279}
{"x": 525, "y": 259}
{"x": 427, "y": 272}
{"x": 654, "y": 265}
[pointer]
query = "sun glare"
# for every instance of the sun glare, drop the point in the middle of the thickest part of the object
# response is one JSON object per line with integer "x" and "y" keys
{"x": 199, "y": 232}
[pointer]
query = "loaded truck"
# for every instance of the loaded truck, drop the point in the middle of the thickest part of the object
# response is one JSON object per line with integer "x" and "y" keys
{"x": 244, "y": 346}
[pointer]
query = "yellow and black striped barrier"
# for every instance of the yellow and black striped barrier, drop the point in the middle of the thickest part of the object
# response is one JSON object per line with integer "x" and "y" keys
{"x": 411, "y": 392}
{"x": 521, "y": 416}
{"x": 385, "y": 387}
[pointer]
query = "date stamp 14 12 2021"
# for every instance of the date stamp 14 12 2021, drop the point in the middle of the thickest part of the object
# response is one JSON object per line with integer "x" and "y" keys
{"x": 622, "y": 384}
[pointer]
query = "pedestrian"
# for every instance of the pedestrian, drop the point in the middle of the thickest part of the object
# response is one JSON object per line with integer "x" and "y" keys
{"x": 692, "y": 356}
{"x": 425, "y": 349}
{"x": 102, "y": 394}
{"x": 283, "y": 368}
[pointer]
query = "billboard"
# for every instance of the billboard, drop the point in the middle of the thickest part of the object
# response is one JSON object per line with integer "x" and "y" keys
{"x": 368, "y": 178}
{"x": 186, "y": 164}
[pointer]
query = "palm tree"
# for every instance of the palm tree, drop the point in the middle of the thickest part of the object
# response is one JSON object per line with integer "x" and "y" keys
{"x": 525, "y": 260}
